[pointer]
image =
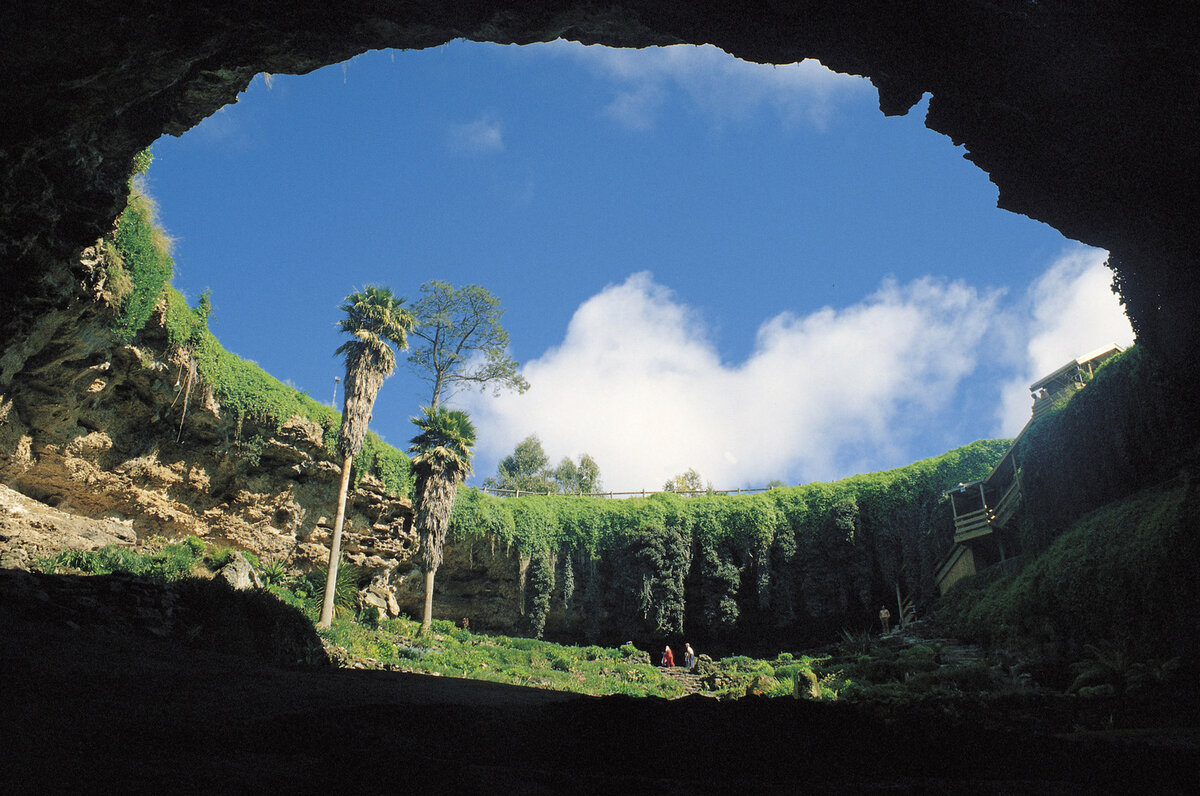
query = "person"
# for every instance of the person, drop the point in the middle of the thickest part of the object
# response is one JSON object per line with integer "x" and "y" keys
{"x": 668, "y": 658}
{"x": 885, "y": 618}
{"x": 466, "y": 623}
{"x": 689, "y": 656}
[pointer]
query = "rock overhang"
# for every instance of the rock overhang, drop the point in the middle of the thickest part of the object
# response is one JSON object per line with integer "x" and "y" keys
{"x": 1085, "y": 118}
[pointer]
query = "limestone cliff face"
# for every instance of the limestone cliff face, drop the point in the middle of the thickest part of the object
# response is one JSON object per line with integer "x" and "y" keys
{"x": 112, "y": 433}
{"x": 103, "y": 443}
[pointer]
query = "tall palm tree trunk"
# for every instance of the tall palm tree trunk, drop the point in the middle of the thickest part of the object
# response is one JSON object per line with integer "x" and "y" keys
{"x": 427, "y": 620}
{"x": 335, "y": 547}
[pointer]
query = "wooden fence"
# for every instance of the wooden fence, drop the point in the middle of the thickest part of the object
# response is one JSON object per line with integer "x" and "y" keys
{"x": 642, "y": 493}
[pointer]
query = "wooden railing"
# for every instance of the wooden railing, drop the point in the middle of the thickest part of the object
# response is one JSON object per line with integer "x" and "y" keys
{"x": 1008, "y": 504}
{"x": 968, "y": 525}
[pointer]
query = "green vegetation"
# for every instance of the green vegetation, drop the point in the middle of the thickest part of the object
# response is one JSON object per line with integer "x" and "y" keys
{"x": 162, "y": 561}
{"x": 171, "y": 562}
{"x": 1124, "y": 574}
{"x": 139, "y": 264}
{"x": 276, "y": 624}
{"x": 139, "y": 267}
{"x": 462, "y": 342}
{"x": 888, "y": 673}
{"x": 1109, "y": 490}
{"x": 378, "y": 325}
{"x": 442, "y": 459}
{"x": 1131, "y": 428}
{"x": 527, "y": 471}
{"x": 246, "y": 391}
{"x": 751, "y": 569}
{"x": 578, "y": 478}
{"x": 400, "y": 644}
{"x": 688, "y": 483}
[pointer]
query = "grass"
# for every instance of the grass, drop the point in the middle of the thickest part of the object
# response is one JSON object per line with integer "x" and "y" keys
{"x": 857, "y": 673}
{"x": 173, "y": 561}
{"x": 862, "y": 669}
{"x": 454, "y": 652}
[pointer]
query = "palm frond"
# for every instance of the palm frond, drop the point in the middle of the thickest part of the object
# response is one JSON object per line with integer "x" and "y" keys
{"x": 446, "y": 442}
{"x": 377, "y": 321}
{"x": 441, "y": 459}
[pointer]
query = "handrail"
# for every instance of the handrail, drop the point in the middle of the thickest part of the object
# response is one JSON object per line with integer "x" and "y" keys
{"x": 1007, "y": 506}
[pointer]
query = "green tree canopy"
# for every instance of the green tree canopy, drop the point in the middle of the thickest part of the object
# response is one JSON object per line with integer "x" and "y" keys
{"x": 462, "y": 342}
{"x": 526, "y": 469}
{"x": 687, "y": 483}
{"x": 578, "y": 479}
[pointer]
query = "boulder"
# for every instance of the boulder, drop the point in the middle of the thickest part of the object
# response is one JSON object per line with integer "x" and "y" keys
{"x": 240, "y": 574}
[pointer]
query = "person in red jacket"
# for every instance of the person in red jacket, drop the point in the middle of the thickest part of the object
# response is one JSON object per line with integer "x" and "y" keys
{"x": 668, "y": 658}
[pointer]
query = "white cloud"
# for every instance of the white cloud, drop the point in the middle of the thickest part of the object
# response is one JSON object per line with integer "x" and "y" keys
{"x": 717, "y": 84}
{"x": 638, "y": 384}
{"x": 478, "y": 137}
{"x": 1070, "y": 310}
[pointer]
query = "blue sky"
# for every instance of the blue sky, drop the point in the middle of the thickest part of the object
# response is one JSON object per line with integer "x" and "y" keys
{"x": 704, "y": 263}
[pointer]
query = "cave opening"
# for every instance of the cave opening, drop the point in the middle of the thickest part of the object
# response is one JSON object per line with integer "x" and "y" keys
{"x": 759, "y": 200}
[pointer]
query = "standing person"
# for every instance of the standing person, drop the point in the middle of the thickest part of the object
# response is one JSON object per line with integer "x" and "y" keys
{"x": 689, "y": 656}
{"x": 885, "y": 618}
{"x": 668, "y": 658}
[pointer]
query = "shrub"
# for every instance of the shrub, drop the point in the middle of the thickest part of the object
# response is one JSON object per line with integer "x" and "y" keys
{"x": 539, "y": 584}
{"x": 172, "y": 562}
{"x": 273, "y": 571}
{"x": 218, "y": 557}
{"x": 80, "y": 560}
{"x": 146, "y": 258}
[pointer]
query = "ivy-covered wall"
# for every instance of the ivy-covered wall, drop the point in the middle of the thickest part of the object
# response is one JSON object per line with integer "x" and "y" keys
{"x": 1111, "y": 484}
{"x": 1123, "y": 576}
{"x": 786, "y": 566}
{"x": 1132, "y": 427}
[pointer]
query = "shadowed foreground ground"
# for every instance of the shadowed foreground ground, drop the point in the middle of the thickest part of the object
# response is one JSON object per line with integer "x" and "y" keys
{"x": 97, "y": 707}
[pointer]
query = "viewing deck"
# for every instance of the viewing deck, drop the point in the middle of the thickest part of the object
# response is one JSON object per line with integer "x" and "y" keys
{"x": 985, "y": 507}
{"x": 973, "y": 524}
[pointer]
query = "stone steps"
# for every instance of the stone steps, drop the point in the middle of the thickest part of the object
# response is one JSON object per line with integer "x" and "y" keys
{"x": 691, "y": 681}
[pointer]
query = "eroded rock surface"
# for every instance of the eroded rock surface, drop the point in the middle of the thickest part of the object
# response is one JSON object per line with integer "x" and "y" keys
{"x": 99, "y": 444}
{"x": 96, "y": 448}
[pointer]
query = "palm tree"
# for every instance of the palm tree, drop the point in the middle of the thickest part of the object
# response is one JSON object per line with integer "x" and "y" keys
{"x": 377, "y": 322}
{"x": 442, "y": 459}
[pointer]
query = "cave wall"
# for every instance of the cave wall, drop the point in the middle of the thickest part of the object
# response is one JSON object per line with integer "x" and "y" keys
{"x": 1083, "y": 114}
{"x": 96, "y": 430}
